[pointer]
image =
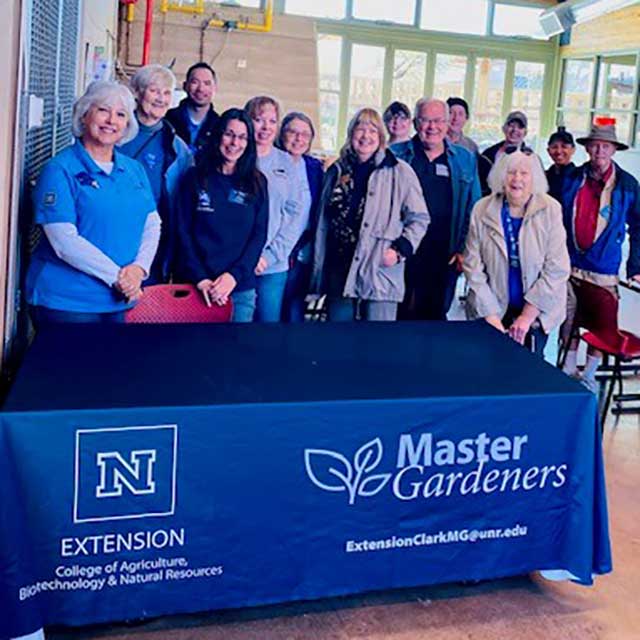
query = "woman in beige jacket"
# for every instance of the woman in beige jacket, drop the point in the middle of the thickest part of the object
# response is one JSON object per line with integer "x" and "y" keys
{"x": 516, "y": 260}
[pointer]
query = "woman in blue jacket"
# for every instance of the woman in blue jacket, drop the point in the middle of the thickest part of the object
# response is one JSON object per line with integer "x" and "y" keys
{"x": 296, "y": 136}
{"x": 163, "y": 154}
{"x": 223, "y": 213}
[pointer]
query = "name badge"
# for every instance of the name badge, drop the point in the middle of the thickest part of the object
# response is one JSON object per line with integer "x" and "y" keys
{"x": 238, "y": 197}
{"x": 442, "y": 170}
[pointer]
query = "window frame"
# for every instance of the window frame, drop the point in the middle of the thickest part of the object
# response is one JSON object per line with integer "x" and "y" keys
{"x": 632, "y": 139}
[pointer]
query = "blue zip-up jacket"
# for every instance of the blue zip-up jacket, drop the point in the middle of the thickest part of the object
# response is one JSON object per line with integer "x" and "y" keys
{"x": 464, "y": 185}
{"x": 177, "y": 161}
{"x": 605, "y": 255}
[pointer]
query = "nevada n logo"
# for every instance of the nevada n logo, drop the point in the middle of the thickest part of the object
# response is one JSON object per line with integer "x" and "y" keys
{"x": 126, "y": 472}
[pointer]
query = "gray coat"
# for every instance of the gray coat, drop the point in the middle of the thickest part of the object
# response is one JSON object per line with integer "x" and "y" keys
{"x": 394, "y": 208}
{"x": 543, "y": 256}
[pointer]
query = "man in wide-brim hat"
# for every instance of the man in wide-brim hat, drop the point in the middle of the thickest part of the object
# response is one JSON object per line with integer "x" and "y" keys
{"x": 599, "y": 201}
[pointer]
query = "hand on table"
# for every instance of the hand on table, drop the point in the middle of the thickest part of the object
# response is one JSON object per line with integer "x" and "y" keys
{"x": 519, "y": 328}
{"x": 496, "y": 323}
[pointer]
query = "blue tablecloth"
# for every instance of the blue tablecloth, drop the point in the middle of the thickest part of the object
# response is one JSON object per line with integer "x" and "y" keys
{"x": 151, "y": 470}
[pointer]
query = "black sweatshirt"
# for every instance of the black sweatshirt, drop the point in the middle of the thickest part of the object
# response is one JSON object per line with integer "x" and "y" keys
{"x": 220, "y": 228}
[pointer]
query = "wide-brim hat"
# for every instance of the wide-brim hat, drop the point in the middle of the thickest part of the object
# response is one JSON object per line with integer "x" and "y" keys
{"x": 603, "y": 129}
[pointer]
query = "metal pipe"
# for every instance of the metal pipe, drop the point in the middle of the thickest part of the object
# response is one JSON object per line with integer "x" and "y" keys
{"x": 247, "y": 26}
{"x": 148, "y": 24}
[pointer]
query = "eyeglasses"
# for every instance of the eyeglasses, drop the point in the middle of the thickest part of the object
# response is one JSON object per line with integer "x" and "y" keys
{"x": 397, "y": 116}
{"x": 303, "y": 135}
{"x": 242, "y": 137}
{"x": 436, "y": 121}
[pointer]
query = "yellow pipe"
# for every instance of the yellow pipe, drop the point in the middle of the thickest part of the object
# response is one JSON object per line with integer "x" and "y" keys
{"x": 265, "y": 27}
{"x": 130, "y": 12}
{"x": 247, "y": 26}
{"x": 167, "y": 6}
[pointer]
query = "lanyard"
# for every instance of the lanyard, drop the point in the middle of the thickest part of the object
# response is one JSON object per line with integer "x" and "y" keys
{"x": 511, "y": 238}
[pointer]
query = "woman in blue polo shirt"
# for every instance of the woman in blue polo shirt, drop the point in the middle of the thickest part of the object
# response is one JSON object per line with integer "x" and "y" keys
{"x": 100, "y": 224}
{"x": 223, "y": 213}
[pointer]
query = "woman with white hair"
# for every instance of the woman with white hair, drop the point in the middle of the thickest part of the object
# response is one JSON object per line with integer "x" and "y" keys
{"x": 516, "y": 260}
{"x": 163, "y": 154}
{"x": 95, "y": 206}
{"x": 372, "y": 216}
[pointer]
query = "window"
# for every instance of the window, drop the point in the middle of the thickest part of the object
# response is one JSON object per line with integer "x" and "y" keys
{"x": 513, "y": 20}
{"x": 615, "y": 94}
{"x": 575, "y": 96}
{"x": 528, "y": 81}
{"x": 458, "y": 16}
{"x": 401, "y": 11}
{"x": 486, "y": 112}
{"x": 335, "y": 9}
{"x": 367, "y": 71}
{"x": 409, "y": 68}
{"x": 450, "y": 74}
{"x": 329, "y": 59}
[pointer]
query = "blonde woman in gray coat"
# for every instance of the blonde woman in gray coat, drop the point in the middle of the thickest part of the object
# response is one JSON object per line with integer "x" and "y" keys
{"x": 516, "y": 260}
{"x": 372, "y": 216}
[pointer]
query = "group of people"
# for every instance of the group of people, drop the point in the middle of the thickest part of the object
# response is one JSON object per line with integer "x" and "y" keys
{"x": 236, "y": 204}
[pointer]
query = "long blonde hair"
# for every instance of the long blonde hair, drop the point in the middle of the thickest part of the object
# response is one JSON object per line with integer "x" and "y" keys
{"x": 365, "y": 116}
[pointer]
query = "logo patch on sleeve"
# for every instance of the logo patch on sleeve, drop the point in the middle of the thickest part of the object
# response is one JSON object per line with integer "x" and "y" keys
{"x": 50, "y": 198}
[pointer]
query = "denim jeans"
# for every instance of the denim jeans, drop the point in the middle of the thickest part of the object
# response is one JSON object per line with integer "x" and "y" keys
{"x": 270, "y": 292}
{"x": 349, "y": 309}
{"x": 293, "y": 304}
{"x": 42, "y": 316}
{"x": 244, "y": 305}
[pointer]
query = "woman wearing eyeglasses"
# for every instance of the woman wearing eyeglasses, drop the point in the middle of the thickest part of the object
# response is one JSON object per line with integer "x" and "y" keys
{"x": 516, "y": 259}
{"x": 222, "y": 218}
{"x": 397, "y": 120}
{"x": 296, "y": 136}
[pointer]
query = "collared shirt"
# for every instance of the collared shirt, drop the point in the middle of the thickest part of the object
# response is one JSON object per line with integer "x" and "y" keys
{"x": 435, "y": 180}
{"x": 588, "y": 209}
{"x": 109, "y": 211}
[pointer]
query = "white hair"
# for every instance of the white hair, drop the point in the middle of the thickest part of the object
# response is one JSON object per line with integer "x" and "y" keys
{"x": 103, "y": 93}
{"x": 423, "y": 102}
{"x": 148, "y": 74}
{"x": 498, "y": 174}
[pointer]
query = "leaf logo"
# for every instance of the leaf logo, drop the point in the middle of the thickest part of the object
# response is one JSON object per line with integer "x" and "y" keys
{"x": 331, "y": 471}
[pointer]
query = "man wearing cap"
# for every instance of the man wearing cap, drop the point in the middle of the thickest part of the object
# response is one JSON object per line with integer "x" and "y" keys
{"x": 458, "y": 116}
{"x": 599, "y": 200}
{"x": 449, "y": 180}
{"x": 515, "y": 130}
{"x": 560, "y": 148}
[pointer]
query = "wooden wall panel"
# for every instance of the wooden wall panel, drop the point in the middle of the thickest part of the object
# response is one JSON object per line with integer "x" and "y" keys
{"x": 617, "y": 31}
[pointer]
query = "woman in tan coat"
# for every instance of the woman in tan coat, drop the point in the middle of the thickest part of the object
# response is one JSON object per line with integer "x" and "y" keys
{"x": 516, "y": 260}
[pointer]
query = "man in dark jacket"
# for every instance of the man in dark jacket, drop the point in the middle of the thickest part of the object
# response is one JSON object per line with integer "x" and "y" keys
{"x": 515, "y": 130}
{"x": 449, "y": 180}
{"x": 194, "y": 118}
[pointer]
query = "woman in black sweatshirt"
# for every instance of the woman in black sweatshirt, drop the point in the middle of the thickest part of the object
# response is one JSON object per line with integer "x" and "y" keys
{"x": 222, "y": 218}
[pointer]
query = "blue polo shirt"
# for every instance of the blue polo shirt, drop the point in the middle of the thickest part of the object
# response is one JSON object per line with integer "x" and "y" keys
{"x": 109, "y": 210}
